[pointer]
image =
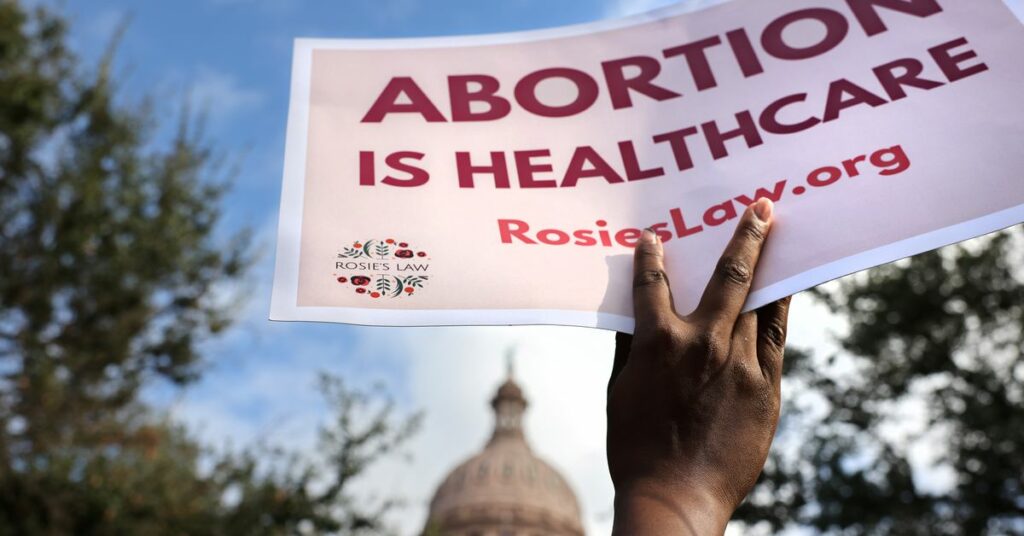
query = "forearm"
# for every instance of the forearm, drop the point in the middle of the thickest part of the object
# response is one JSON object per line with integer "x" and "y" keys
{"x": 644, "y": 510}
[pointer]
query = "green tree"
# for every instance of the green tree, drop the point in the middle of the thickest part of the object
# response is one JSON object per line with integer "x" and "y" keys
{"x": 944, "y": 331}
{"x": 108, "y": 257}
{"x": 148, "y": 480}
{"x": 112, "y": 270}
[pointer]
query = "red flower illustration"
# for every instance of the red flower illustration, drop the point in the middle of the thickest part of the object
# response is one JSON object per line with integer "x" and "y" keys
{"x": 361, "y": 290}
{"x": 403, "y": 245}
{"x": 404, "y": 254}
{"x": 343, "y": 280}
{"x": 421, "y": 254}
{"x": 360, "y": 280}
{"x": 375, "y": 295}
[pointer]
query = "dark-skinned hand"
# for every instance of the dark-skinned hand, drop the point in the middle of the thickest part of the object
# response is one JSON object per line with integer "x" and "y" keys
{"x": 693, "y": 401}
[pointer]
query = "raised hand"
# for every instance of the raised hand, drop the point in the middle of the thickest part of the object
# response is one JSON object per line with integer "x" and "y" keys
{"x": 693, "y": 401}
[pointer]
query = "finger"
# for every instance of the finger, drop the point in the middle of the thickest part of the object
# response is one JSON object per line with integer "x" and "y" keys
{"x": 623, "y": 344}
{"x": 652, "y": 301}
{"x": 772, "y": 323}
{"x": 727, "y": 291}
{"x": 744, "y": 336}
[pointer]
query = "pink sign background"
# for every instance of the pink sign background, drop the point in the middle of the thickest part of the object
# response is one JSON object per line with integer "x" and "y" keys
{"x": 956, "y": 173}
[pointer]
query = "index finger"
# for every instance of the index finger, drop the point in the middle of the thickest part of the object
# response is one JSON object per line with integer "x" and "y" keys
{"x": 652, "y": 300}
{"x": 725, "y": 295}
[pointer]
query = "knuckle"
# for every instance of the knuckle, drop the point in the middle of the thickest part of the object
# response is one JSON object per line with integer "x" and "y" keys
{"x": 647, "y": 252}
{"x": 769, "y": 366}
{"x": 735, "y": 271}
{"x": 662, "y": 335}
{"x": 775, "y": 335}
{"x": 707, "y": 343}
{"x": 702, "y": 341}
{"x": 749, "y": 379}
{"x": 649, "y": 278}
{"x": 752, "y": 232}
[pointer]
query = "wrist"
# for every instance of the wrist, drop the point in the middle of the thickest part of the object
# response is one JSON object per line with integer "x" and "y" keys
{"x": 649, "y": 508}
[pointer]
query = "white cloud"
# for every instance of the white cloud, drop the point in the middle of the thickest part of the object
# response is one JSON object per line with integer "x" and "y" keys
{"x": 221, "y": 97}
{"x": 454, "y": 372}
{"x": 450, "y": 373}
{"x": 623, "y": 8}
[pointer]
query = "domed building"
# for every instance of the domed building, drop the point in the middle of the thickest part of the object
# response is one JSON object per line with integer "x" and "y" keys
{"x": 505, "y": 490}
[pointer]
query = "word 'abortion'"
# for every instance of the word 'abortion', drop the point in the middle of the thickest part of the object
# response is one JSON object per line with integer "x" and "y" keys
{"x": 478, "y": 98}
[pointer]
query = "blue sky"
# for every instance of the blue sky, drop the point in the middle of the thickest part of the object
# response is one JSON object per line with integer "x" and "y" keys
{"x": 233, "y": 57}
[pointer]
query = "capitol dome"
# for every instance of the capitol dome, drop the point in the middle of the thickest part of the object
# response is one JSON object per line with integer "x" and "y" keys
{"x": 505, "y": 490}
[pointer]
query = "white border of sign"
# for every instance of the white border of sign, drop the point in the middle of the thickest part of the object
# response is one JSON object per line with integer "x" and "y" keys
{"x": 286, "y": 277}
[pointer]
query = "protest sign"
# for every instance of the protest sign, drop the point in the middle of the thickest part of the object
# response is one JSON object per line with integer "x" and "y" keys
{"x": 504, "y": 179}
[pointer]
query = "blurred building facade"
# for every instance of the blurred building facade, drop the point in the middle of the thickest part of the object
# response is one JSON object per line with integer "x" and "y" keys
{"x": 505, "y": 490}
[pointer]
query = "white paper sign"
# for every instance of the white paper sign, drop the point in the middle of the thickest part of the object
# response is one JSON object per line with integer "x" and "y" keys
{"x": 504, "y": 179}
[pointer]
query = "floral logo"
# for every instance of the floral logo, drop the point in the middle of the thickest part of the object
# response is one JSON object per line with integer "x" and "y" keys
{"x": 382, "y": 268}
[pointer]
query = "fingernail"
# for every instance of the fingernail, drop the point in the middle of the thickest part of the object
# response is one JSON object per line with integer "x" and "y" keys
{"x": 763, "y": 209}
{"x": 649, "y": 237}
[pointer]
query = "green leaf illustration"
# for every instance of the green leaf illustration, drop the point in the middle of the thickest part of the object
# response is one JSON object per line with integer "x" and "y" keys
{"x": 415, "y": 281}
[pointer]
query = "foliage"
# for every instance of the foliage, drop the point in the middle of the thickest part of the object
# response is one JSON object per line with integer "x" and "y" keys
{"x": 113, "y": 271}
{"x": 147, "y": 479}
{"x": 941, "y": 332}
{"x": 110, "y": 266}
